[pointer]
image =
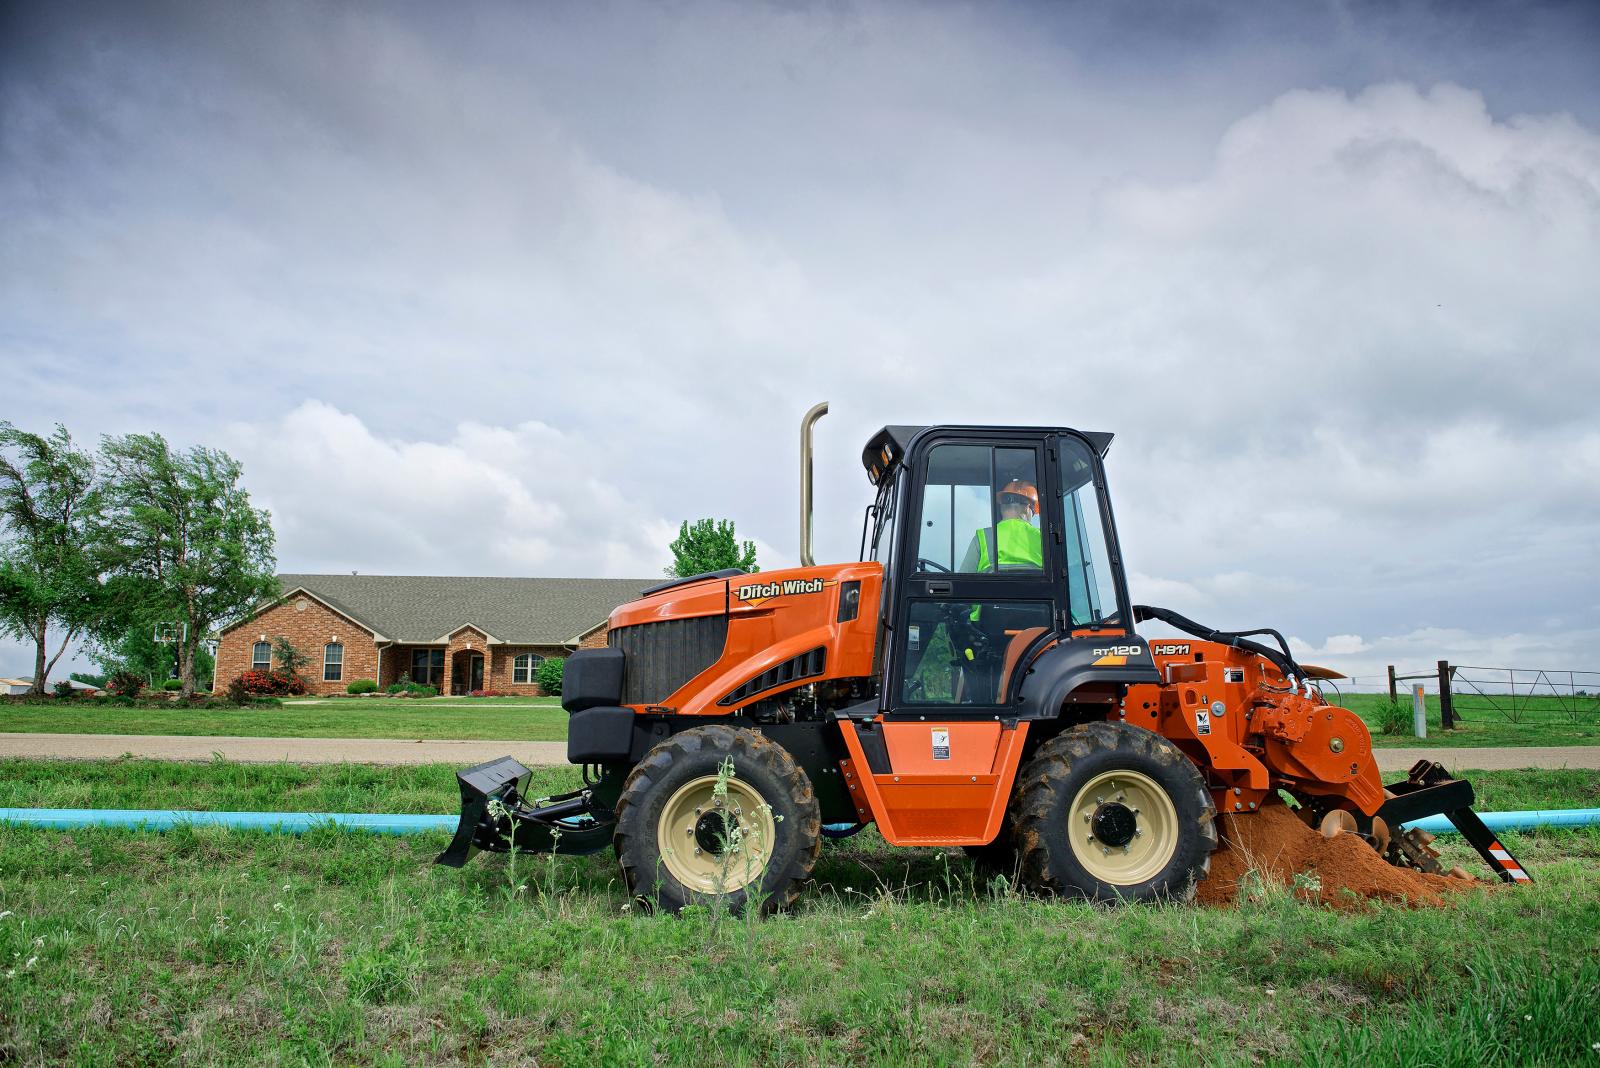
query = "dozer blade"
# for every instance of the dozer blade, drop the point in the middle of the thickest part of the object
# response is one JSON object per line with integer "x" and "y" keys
{"x": 1429, "y": 790}
{"x": 495, "y": 817}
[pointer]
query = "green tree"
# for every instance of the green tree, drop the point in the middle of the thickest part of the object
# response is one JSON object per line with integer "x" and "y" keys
{"x": 185, "y": 543}
{"x": 289, "y": 658}
{"x": 710, "y": 545}
{"x": 135, "y": 649}
{"x": 49, "y": 574}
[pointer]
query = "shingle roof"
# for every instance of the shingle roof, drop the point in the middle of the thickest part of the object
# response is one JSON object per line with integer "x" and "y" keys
{"x": 425, "y": 608}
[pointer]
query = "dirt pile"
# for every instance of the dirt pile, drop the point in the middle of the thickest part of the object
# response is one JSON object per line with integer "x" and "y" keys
{"x": 1343, "y": 871}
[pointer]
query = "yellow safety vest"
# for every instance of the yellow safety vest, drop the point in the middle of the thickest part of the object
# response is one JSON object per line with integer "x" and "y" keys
{"x": 1021, "y": 545}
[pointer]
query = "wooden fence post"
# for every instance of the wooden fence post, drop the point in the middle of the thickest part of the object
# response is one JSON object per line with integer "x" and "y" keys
{"x": 1447, "y": 713}
{"x": 1392, "y": 695}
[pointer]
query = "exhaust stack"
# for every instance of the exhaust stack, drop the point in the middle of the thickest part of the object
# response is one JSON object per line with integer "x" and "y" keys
{"x": 817, "y": 412}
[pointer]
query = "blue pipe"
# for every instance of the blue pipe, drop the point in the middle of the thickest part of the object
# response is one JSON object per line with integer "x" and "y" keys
{"x": 156, "y": 819}
{"x": 1515, "y": 821}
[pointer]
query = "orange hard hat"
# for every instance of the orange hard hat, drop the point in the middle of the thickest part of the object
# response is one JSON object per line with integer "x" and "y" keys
{"x": 1018, "y": 488}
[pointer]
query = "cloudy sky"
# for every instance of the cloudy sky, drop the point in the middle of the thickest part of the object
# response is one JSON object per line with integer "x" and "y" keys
{"x": 482, "y": 289}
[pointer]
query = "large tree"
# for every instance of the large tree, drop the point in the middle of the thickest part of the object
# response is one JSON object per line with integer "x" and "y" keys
{"x": 186, "y": 544}
{"x": 710, "y": 545}
{"x": 49, "y": 577}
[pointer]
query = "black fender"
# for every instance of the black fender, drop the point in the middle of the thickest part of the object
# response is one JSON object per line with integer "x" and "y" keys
{"x": 1073, "y": 663}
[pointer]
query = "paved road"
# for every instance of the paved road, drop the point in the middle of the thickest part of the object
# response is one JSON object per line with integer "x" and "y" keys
{"x": 1531, "y": 756}
{"x": 273, "y": 750}
{"x": 535, "y": 754}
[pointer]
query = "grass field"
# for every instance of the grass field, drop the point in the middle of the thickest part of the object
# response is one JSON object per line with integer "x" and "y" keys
{"x": 529, "y": 719}
{"x": 212, "y": 947}
{"x": 1544, "y": 722}
{"x": 512, "y": 718}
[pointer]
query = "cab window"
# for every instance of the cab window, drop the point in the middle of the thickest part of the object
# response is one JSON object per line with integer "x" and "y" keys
{"x": 980, "y": 511}
{"x": 1091, "y": 590}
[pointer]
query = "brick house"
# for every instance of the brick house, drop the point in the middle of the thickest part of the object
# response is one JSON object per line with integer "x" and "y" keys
{"x": 459, "y": 634}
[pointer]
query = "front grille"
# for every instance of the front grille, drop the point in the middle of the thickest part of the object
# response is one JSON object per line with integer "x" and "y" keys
{"x": 805, "y": 666}
{"x": 661, "y": 657}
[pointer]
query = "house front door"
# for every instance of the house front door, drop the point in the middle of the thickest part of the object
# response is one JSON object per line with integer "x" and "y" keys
{"x": 476, "y": 673}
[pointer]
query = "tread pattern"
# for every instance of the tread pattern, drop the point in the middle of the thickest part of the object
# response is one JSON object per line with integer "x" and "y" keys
{"x": 634, "y": 840}
{"x": 1049, "y": 780}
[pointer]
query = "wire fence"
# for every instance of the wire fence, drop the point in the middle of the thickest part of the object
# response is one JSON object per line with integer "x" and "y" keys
{"x": 1516, "y": 695}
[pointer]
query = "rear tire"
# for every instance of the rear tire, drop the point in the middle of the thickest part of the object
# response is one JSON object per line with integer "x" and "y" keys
{"x": 1111, "y": 812}
{"x": 685, "y": 837}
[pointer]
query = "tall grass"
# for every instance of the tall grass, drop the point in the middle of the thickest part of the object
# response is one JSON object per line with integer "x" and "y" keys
{"x": 210, "y": 947}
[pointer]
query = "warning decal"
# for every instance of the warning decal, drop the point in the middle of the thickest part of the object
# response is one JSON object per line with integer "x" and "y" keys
{"x": 941, "y": 745}
{"x": 1202, "y": 721}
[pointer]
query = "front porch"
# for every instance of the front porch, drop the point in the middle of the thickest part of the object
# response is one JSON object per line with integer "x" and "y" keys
{"x": 467, "y": 663}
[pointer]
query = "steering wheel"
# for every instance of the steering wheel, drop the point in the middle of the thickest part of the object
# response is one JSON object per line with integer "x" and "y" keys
{"x": 923, "y": 563}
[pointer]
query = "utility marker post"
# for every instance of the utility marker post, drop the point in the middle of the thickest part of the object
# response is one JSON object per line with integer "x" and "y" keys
{"x": 1419, "y": 711}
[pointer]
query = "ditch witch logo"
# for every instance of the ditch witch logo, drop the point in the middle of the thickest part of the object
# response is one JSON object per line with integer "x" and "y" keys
{"x": 757, "y": 592}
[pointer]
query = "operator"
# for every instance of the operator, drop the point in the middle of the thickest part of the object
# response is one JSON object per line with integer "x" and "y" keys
{"x": 1021, "y": 544}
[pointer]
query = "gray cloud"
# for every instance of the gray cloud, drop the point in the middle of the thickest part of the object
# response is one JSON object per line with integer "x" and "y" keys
{"x": 518, "y": 290}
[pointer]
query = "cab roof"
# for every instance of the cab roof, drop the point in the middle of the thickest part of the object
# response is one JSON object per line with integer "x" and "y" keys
{"x": 889, "y": 446}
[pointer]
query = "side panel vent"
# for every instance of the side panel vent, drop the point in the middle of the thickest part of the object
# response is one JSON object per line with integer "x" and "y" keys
{"x": 805, "y": 666}
{"x": 661, "y": 657}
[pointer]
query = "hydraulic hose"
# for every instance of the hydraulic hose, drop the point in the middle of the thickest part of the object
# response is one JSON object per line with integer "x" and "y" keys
{"x": 1282, "y": 660}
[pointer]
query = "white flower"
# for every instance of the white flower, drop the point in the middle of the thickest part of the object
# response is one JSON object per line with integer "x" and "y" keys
{"x": 6, "y": 913}
{"x": 38, "y": 941}
{"x": 31, "y": 962}
{"x": 277, "y": 906}
{"x": 1527, "y": 1017}
{"x": 521, "y": 888}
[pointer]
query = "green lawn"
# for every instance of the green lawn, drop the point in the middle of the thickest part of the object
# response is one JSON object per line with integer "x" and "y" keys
{"x": 213, "y": 947}
{"x": 539, "y": 719}
{"x": 1543, "y": 722}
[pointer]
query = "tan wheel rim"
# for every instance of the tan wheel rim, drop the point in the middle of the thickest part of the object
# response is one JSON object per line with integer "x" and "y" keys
{"x": 716, "y": 839}
{"x": 1123, "y": 827}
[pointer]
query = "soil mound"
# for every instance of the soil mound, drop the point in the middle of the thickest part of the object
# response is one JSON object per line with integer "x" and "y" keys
{"x": 1343, "y": 871}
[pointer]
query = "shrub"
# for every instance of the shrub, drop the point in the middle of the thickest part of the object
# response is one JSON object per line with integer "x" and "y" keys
{"x": 548, "y": 675}
{"x": 417, "y": 689}
{"x": 395, "y": 687}
{"x": 1395, "y": 717}
{"x": 270, "y": 683}
{"x": 125, "y": 684}
{"x": 172, "y": 685}
{"x": 237, "y": 694}
{"x": 64, "y": 689}
{"x": 362, "y": 686}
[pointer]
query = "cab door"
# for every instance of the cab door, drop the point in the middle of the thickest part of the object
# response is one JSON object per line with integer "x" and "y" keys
{"x": 980, "y": 575}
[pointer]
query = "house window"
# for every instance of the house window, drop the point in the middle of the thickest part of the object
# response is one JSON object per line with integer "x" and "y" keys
{"x": 523, "y": 667}
{"x": 332, "y": 662}
{"x": 427, "y": 666}
{"x": 261, "y": 657}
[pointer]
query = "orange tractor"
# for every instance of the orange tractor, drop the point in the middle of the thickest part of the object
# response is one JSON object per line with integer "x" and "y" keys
{"x": 975, "y": 680}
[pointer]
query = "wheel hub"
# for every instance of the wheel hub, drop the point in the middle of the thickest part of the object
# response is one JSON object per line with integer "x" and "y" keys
{"x": 1123, "y": 827}
{"x": 716, "y": 836}
{"x": 711, "y": 833}
{"x": 1114, "y": 824}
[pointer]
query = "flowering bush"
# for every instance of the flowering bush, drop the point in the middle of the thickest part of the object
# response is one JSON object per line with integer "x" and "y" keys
{"x": 125, "y": 684}
{"x": 272, "y": 683}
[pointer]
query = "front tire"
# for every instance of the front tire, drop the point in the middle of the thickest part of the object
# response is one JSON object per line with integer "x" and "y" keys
{"x": 1111, "y": 812}
{"x": 688, "y": 832}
